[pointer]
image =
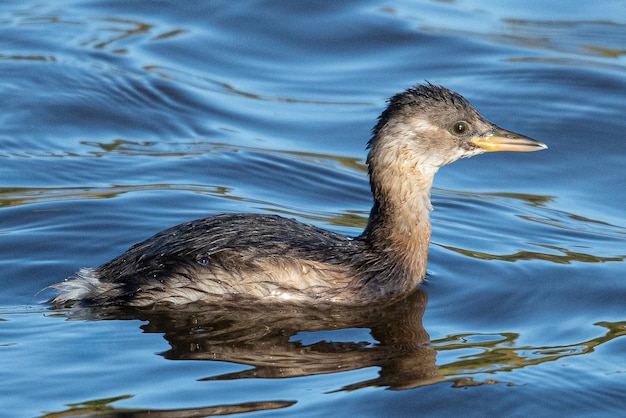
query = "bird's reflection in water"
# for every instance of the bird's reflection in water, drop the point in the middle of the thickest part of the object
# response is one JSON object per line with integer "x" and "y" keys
{"x": 268, "y": 338}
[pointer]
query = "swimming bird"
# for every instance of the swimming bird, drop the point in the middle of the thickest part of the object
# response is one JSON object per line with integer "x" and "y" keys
{"x": 239, "y": 258}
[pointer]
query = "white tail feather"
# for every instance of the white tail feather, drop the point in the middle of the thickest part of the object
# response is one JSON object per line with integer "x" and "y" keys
{"x": 84, "y": 284}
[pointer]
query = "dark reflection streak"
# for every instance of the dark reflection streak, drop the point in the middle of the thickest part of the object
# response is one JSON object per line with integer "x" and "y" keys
{"x": 545, "y": 35}
{"x": 102, "y": 408}
{"x": 10, "y": 197}
{"x": 135, "y": 148}
{"x": 143, "y": 148}
{"x": 607, "y": 52}
{"x": 231, "y": 89}
{"x": 551, "y": 23}
{"x": 579, "y": 218}
{"x": 572, "y": 62}
{"x": 530, "y": 199}
{"x": 37, "y": 20}
{"x": 23, "y": 196}
{"x": 557, "y": 223}
{"x": 17, "y": 196}
{"x": 170, "y": 34}
{"x": 48, "y": 58}
{"x": 139, "y": 28}
{"x": 223, "y": 87}
{"x": 567, "y": 258}
{"x": 540, "y": 201}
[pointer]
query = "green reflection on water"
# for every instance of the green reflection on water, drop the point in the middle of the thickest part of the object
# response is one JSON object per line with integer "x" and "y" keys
{"x": 567, "y": 256}
{"x": 103, "y": 407}
{"x": 500, "y": 354}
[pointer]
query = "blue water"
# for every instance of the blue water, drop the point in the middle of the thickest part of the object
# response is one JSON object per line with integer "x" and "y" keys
{"x": 119, "y": 119}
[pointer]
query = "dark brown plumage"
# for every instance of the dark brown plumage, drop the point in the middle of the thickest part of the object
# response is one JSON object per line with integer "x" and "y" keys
{"x": 246, "y": 257}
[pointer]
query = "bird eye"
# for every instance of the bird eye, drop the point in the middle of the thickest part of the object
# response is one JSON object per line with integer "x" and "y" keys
{"x": 459, "y": 128}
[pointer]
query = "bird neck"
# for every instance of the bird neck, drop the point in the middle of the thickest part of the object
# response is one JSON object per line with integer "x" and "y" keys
{"x": 399, "y": 228}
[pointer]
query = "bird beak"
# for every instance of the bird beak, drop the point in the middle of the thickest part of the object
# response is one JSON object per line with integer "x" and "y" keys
{"x": 502, "y": 140}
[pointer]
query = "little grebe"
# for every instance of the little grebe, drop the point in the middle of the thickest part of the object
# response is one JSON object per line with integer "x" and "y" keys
{"x": 238, "y": 257}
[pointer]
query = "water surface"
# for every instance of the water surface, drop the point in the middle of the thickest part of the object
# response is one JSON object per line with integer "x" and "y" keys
{"x": 120, "y": 119}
